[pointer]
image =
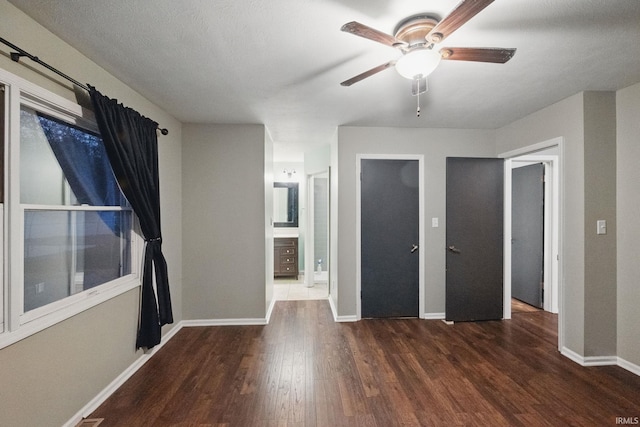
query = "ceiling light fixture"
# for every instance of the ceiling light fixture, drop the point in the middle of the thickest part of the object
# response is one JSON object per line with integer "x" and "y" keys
{"x": 418, "y": 63}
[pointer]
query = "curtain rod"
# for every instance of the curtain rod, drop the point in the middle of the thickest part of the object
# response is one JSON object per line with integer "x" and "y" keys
{"x": 15, "y": 56}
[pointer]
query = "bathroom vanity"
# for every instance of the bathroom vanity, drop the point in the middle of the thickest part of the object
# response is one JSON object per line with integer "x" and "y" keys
{"x": 285, "y": 257}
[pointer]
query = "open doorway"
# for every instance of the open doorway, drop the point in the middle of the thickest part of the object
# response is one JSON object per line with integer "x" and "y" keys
{"x": 317, "y": 261}
{"x": 528, "y": 185}
{"x": 319, "y": 212}
{"x": 547, "y": 155}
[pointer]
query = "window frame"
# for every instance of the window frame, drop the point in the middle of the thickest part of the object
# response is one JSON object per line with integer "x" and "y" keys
{"x": 15, "y": 324}
{"x": 4, "y": 118}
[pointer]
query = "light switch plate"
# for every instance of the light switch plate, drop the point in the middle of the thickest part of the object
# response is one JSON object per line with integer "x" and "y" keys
{"x": 601, "y": 226}
{"x": 434, "y": 222}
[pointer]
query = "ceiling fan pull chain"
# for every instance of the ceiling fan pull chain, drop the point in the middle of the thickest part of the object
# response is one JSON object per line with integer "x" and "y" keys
{"x": 418, "y": 110}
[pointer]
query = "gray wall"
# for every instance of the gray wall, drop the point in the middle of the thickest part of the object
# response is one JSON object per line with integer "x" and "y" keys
{"x": 51, "y": 375}
{"x": 586, "y": 122}
{"x": 436, "y": 145}
{"x": 224, "y": 221}
{"x": 563, "y": 119}
{"x": 600, "y": 204}
{"x": 628, "y": 206}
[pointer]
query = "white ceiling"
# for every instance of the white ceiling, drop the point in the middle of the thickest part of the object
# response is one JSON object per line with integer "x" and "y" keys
{"x": 280, "y": 62}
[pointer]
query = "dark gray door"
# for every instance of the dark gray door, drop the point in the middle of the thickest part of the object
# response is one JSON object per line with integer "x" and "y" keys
{"x": 389, "y": 237}
{"x": 527, "y": 234}
{"x": 474, "y": 239}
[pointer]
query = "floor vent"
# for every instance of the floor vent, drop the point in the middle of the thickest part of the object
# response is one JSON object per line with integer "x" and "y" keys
{"x": 90, "y": 422}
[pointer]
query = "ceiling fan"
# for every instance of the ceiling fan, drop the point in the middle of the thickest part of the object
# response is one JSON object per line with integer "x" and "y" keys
{"x": 417, "y": 36}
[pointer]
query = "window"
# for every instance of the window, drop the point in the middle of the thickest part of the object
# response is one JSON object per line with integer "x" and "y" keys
{"x": 72, "y": 241}
{"x": 2, "y": 168}
{"x": 68, "y": 246}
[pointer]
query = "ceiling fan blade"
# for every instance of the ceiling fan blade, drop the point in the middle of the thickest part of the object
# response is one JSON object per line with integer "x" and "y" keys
{"x": 368, "y": 73}
{"x": 478, "y": 54}
{"x": 362, "y": 30}
{"x": 464, "y": 11}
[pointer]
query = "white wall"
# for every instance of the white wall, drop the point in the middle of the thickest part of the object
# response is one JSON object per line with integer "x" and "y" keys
{"x": 224, "y": 221}
{"x": 317, "y": 160}
{"x": 334, "y": 229}
{"x": 436, "y": 145}
{"x": 48, "y": 377}
{"x": 268, "y": 229}
{"x": 628, "y": 206}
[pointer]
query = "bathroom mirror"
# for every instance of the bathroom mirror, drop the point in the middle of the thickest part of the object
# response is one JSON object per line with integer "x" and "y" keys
{"x": 285, "y": 204}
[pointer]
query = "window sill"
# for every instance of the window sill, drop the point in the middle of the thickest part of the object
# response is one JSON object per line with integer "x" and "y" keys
{"x": 85, "y": 301}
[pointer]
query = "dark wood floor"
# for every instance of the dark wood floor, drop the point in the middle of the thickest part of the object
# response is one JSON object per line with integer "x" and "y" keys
{"x": 305, "y": 370}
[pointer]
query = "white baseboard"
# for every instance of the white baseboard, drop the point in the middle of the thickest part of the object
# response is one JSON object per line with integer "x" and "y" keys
{"x": 601, "y": 361}
{"x": 589, "y": 360}
{"x": 566, "y": 352}
{"x": 334, "y": 310}
{"x": 433, "y": 316}
{"x": 99, "y": 399}
{"x": 341, "y": 319}
{"x": 138, "y": 363}
{"x": 631, "y": 367}
{"x": 270, "y": 310}
{"x": 337, "y": 318}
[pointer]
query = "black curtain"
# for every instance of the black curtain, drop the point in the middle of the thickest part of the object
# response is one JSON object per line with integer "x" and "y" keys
{"x": 132, "y": 147}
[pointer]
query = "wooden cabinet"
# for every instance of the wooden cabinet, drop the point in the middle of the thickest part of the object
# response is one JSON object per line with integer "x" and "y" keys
{"x": 285, "y": 257}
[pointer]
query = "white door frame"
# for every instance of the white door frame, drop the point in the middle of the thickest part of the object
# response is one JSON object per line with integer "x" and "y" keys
{"x": 553, "y": 225}
{"x": 421, "y": 229}
{"x": 310, "y": 238}
{"x": 550, "y": 249}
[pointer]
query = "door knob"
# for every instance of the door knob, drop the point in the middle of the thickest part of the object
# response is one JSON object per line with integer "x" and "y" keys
{"x": 414, "y": 248}
{"x": 454, "y": 249}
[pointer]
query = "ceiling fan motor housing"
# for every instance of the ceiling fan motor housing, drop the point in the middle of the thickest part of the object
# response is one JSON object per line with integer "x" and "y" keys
{"x": 414, "y": 30}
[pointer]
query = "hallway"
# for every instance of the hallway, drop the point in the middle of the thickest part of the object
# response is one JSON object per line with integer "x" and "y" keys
{"x": 295, "y": 290}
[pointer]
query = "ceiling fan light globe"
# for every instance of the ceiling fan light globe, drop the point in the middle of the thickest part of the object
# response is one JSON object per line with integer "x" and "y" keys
{"x": 418, "y": 63}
